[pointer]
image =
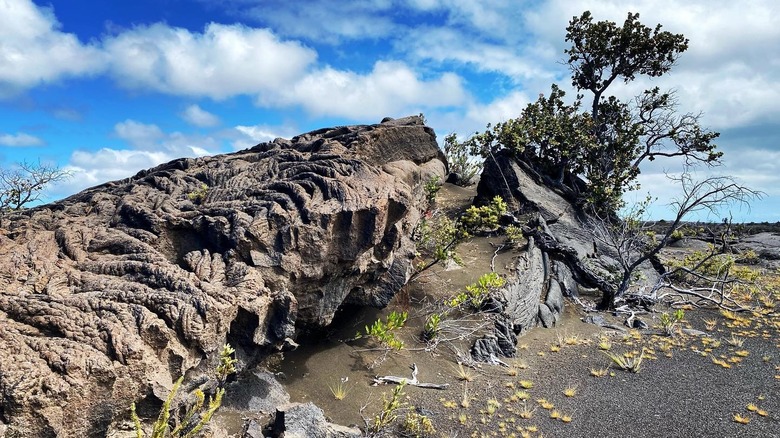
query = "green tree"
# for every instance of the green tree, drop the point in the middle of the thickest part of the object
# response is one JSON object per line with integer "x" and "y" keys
{"x": 597, "y": 153}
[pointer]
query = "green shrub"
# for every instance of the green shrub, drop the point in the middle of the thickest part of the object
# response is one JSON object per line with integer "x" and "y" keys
{"x": 198, "y": 196}
{"x": 485, "y": 217}
{"x": 432, "y": 187}
{"x": 382, "y": 332}
{"x": 432, "y": 326}
{"x": 460, "y": 161}
{"x": 418, "y": 426}
{"x": 476, "y": 293}
{"x": 390, "y": 407}
{"x": 669, "y": 321}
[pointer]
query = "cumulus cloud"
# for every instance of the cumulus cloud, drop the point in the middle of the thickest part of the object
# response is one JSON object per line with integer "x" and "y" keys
{"x": 323, "y": 21}
{"x": 390, "y": 88}
{"x": 34, "y": 51}
{"x": 20, "y": 139}
{"x": 223, "y": 61}
{"x": 139, "y": 135}
{"x": 147, "y": 146}
{"x": 248, "y": 136}
{"x": 197, "y": 116}
{"x": 731, "y": 70}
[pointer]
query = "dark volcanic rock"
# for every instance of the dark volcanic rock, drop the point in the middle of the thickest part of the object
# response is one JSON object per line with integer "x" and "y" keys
{"x": 562, "y": 252}
{"x": 305, "y": 420}
{"x": 107, "y": 296}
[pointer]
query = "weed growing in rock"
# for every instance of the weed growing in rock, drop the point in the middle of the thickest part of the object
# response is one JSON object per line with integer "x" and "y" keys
{"x": 199, "y": 195}
{"x": 197, "y": 416}
{"x": 741, "y": 419}
{"x": 570, "y": 391}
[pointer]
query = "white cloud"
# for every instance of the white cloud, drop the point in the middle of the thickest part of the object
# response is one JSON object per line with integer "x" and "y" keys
{"x": 446, "y": 44}
{"x": 731, "y": 70}
{"x": 197, "y": 116}
{"x": 249, "y": 136}
{"x": 149, "y": 147}
{"x": 20, "y": 139}
{"x": 34, "y": 51}
{"x": 139, "y": 135}
{"x": 389, "y": 89}
{"x": 323, "y": 21}
{"x": 93, "y": 168}
{"x": 221, "y": 62}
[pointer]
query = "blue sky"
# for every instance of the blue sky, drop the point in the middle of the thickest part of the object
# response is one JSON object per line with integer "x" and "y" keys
{"x": 107, "y": 88}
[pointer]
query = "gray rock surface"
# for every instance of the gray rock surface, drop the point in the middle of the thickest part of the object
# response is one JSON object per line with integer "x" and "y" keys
{"x": 108, "y": 296}
{"x": 765, "y": 245}
{"x": 305, "y": 420}
{"x": 562, "y": 253}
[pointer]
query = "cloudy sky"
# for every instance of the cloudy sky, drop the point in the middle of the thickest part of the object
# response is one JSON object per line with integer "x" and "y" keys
{"x": 106, "y": 88}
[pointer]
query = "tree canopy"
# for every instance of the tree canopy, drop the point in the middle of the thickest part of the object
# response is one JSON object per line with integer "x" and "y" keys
{"x": 605, "y": 144}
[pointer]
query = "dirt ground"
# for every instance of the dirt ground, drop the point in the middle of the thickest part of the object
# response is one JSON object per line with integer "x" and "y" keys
{"x": 689, "y": 384}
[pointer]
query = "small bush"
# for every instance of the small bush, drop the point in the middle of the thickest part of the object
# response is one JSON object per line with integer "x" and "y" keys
{"x": 199, "y": 195}
{"x": 432, "y": 187}
{"x": 382, "y": 332}
{"x": 476, "y": 293}
{"x": 418, "y": 426}
{"x": 390, "y": 407}
{"x": 461, "y": 162}
{"x": 432, "y": 326}
{"x": 669, "y": 321}
{"x": 485, "y": 217}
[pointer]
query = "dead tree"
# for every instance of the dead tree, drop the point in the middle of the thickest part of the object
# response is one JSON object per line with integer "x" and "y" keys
{"x": 634, "y": 244}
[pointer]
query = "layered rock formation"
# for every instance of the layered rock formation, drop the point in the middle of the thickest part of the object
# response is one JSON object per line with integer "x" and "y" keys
{"x": 107, "y": 296}
{"x": 562, "y": 256}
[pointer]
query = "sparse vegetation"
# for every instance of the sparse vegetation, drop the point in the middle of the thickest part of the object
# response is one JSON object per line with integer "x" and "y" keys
{"x": 432, "y": 187}
{"x": 669, "y": 321}
{"x": 339, "y": 389}
{"x": 476, "y": 293}
{"x": 461, "y": 162}
{"x": 197, "y": 416}
{"x": 627, "y": 362}
{"x": 416, "y": 425}
{"x": 383, "y": 332}
{"x": 464, "y": 373}
{"x": 389, "y": 412}
{"x": 432, "y": 326}
{"x": 199, "y": 195}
